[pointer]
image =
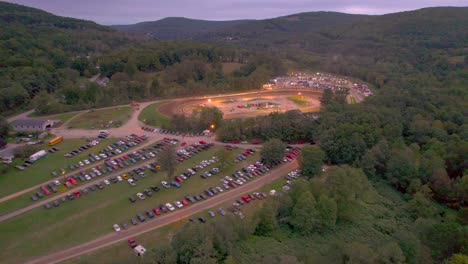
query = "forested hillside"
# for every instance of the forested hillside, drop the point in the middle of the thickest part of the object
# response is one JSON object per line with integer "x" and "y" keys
{"x": 40, "y": 52}
{"x": 177, "y": 28}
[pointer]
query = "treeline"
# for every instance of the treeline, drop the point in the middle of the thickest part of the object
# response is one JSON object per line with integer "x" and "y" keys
{"x": 38, "y": 49}
{"x": 140, "y": 72}
{"x": 55, "y": 57}
{"x": 335, "y": 218}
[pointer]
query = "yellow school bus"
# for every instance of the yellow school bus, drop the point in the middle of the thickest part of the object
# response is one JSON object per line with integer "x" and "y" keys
{"x": 55, "y": 140}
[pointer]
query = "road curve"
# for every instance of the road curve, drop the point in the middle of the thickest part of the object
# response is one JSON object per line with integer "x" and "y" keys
{"x": 113, "y": 238}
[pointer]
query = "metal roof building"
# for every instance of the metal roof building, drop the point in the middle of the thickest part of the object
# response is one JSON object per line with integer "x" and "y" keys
{"x": 32, "y": 124}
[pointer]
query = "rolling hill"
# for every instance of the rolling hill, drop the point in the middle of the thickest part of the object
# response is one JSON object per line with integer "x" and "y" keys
{"x": 177, "y": 28}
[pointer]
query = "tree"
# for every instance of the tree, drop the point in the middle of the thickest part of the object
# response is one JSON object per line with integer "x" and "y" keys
{"x": 303, "y": 214}
{"x": 311, "y": 161}
{"x": 225, "y": 158}
{"x": 194, "y": 244}
{"x": 210, "y": 118}
{"x": 457, "y": 259}
{"x": 267, "y": 220}
{"x": 4, "y": 127}
{"x": 327, "y": 97}
{"x": 161, "y": 255}
{"x": 272, "y": 151}
{"x": 347, "y": 186}
{"x": 168, "y": 160}
{"x": 326, "y": 212}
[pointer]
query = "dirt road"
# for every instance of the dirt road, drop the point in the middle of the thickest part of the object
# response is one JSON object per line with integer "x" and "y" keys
{"x": 158, "y": 222}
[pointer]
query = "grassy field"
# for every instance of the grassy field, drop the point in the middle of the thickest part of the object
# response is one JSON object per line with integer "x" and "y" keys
{"x": 112, "y": 117}
{"x": 152, "y": 117}
{"x": 14, "y": 180}
{"x": 121, "y": 252}
{"x": 64, "y": 117}
{"x": 298, "y": 100}
{"x": 69, "y": 224}
{"x": 229, "y": 67}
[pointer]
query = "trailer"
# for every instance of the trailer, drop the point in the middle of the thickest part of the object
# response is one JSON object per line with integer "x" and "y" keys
{"x": 38, "y": 155}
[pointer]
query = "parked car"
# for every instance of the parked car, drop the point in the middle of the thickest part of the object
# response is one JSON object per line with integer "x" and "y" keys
{"x": 170, "y": 207}
{"x": 132, "y": 243}
{"x": 132, "y": 199}
{"x": 116, "y": 227}
{"x": 141, "y": 196}
{"x": 141, "y": 217}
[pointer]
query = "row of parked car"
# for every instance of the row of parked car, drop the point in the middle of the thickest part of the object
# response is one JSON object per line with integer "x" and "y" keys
{"x": 112, "y": 165}
{"x": 292, "y": 175}
{"x": 172, "y": 132}
{"x": 238, "y": 178}
{"x": 193, "y": 149}
{"x": 114, "y": 149}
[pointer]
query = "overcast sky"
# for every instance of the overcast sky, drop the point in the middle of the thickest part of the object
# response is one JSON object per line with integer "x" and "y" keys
{"x": 111, "y": 12}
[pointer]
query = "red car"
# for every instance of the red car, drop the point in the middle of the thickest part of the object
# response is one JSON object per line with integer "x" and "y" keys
{"x": 77, "y": 194}
{"x": 132, "y": 243}
{"x": 183, "y": 144}
{"x": 156, "y": 211}
{"x": 72, "y": 181}
{"x": 179, "y": 179}
{"x": 235, "y": 141}
{"x": 245, "y": 199}
{"x": 202, "y": 142}
{"x": 256, "y": 142}
{"x": 44, "y": 189}
{"x": 184, "y": 202}
{"x": 180, "y": 159}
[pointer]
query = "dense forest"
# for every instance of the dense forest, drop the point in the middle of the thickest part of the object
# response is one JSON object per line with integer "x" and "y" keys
{"x": 397, "y": 188}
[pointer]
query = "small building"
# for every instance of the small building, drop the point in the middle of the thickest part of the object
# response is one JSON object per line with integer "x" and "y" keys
{"x": 32, "y": 124}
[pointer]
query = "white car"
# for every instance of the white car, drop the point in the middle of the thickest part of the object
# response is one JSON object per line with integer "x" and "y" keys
{"x": 87, "y": 177}
{"x": 119, "y": 178}
{"x": 81, "y": 163}
{"x": 219, "y": 189}
{"x": 116, "y": 228}
{"x": 131, "y": 182}
{"x": 141, "y": 196}
{"x": 165, "y": 184}
{"x": 86, "y": 161}
{"x": 170, "y": 207}
{"x": 106, "y": 182}
{"x": 178, "y": 204}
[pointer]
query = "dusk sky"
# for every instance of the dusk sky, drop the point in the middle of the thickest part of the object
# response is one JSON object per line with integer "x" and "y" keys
{"x": 111, "y": 12}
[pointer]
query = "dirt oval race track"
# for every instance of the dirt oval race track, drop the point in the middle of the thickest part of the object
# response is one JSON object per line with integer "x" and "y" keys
{"x": 231, "y": 105}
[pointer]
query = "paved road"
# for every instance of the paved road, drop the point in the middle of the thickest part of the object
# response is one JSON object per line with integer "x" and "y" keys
{"x": 113, "y": 238}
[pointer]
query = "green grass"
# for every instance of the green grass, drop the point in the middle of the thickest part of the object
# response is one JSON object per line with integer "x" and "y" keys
{"x": 70, "y": 224}
{"x": 14, "y": 180}
{"x": 152, "y": 117}
{"x": 298, "y": 100}
{"x": 64, "y": 117}
{"x": 94, "y": 119}
{"x": 121, "y": 253}
{"x": 24, "y": 200}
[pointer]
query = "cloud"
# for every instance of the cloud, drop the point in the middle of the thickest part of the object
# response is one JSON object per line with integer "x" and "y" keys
{"x": 132, "y": 11}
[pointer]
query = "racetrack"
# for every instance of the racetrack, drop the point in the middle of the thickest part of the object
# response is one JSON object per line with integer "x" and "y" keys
{"x": 229, "y": 103}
